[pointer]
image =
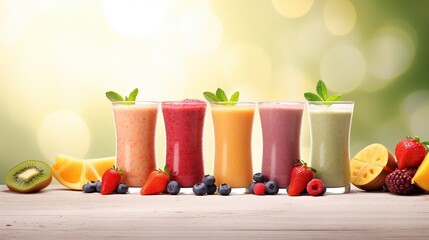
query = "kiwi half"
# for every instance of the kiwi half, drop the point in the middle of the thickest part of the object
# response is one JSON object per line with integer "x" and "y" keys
{"x": 29, "y": 176}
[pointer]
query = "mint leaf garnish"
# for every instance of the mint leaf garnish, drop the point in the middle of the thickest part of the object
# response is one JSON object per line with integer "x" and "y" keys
{"x": 234, "y": 97}
{"x": 333, "y": 98}
{"x": 115, "y": 97}
{"x": 133, "y": 95}
{"x": 322, "y": 90}
{"x": 211, "y": 97}
{"x": 312, "y": 97}
{"x": 220, "y": 96}
{"x": 321, "y": 94}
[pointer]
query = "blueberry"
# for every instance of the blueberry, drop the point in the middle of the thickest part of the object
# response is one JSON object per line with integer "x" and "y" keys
{"x": 89, "y": 187}
{"x": 211, "y": 189}
{"x": 271, "y": 188}
{"x": 199, "y": 189}
{"x": 209, "y": 180}
{"x": 122, "y": 188}
{"x": 251, "y": 187}
{"x": 173, "y": 187}
{"x": 98, "y": 186}
{"x": 224, "y": 189}
{"x": 258, "y": 177}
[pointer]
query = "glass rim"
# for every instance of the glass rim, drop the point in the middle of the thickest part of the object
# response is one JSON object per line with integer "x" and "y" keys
{"x": 183, "y": 102}
{"x": 134, "y": 102}
{"x": 330, "y": 102}
{"x": 231, "y": 104}
{"x": 282, "y": 102}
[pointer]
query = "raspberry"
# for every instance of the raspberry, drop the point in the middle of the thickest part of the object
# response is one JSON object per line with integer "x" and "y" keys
{"x": 259, "y": 189}
{"x": 399, "y": 182}
{"x": 316, "y": 187}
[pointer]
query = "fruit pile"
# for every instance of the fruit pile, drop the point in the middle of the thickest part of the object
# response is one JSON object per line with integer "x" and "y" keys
{"x": 374, "y": 167}
{"x": 301, "y": 180}
{"x": 261, "y": 187}
{"x": 111, "y": 183}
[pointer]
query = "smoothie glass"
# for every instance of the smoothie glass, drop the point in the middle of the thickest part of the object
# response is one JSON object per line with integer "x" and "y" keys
{"x": 135, "y": 140}
{"x": 281, "y": 131}
{"x": 233, "y": 133}
{"x": 184, "y": 121}
{"x": 330, "y": 125}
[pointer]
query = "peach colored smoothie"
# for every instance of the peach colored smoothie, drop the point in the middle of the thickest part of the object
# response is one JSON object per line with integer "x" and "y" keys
{"x": 184, "y": 121}
{"x": 281, "y": 131}
{"x": 135, "y": 137}
{"x": 233, "y": 134}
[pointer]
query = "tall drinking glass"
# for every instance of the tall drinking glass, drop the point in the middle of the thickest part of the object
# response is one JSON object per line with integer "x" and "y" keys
{"x": 184, "y": 121}
{"x": 233, "y": 134}
{"x": 135, "y": 140}
{"x": 281, "y": 131}
{"x": 330, "y": 125}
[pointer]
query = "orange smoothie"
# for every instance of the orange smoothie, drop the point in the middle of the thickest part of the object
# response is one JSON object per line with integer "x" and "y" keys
{"x": 135, "y": 140}
{"x": 233, "y": 135}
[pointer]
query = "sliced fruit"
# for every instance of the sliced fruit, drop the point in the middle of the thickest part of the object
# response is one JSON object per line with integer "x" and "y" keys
{"x": 421, "y": 178}
{"x": 75, "y": 172}
{"x": 370, "y": 166}
{"x": 29, "y": 176}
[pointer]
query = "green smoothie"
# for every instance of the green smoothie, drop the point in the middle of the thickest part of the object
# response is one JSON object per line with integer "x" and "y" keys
{"x": 330, "y": 138}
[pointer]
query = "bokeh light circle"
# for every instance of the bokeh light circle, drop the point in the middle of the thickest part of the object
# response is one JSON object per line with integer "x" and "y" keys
{"x": 413, "y": 101}
{"x": 247, "y": 64}
{"x": 418, "y": 121}
{"x": 343, "y": 68}
{"x": 313, "y": 39}
{"x": 63, "y": 132}
{"x": 135, "y": 18}
{"x": 340, "y": 16}
{"x": 201, "y": 31}
{"x": 292, "y": 8}
{"x": 391, "y": 53}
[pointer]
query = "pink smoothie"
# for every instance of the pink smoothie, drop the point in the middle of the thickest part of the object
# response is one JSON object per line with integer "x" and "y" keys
{"x": 184, "y": 121}
{"x": 135, "y": 136}
{"x": 281, "y": 130}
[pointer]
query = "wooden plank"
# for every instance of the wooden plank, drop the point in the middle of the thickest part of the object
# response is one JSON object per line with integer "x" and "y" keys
{"x": 57, "y": 213}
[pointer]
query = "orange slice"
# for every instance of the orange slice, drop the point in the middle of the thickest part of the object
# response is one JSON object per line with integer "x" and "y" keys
{"x": 370, "y": 167}
{"x": 74, "y": 172}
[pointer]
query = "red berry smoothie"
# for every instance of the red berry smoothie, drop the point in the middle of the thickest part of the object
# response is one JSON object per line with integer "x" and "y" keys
{"x": 135, "y": 140}
{"x": 281, "y": 130}
{"x": 184, "y": 121}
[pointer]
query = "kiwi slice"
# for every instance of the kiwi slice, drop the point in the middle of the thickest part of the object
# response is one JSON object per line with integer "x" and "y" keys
{"x": 29, "y": 176}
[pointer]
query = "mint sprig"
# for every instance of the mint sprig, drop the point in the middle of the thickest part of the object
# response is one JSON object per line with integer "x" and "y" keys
{"x": 115, "y": 97}
{"x": 321, "y": 94}
{"x": 220, "y": 96}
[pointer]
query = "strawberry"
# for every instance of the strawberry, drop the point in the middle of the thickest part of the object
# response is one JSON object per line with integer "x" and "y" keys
{"x": 410, "y": 152}
{"x": 110, "y": 180}
{"x": 301, "y": 174}
{"x": 156, "y": 182}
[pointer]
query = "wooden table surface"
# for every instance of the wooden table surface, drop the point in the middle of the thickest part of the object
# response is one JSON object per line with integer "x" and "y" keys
{"x": 57, "y": 213}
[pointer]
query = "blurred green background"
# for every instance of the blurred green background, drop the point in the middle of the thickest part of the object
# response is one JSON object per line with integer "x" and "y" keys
{"x": 58, "y": 58}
